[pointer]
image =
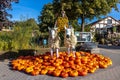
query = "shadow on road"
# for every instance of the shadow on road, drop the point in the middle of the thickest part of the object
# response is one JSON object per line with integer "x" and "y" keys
{"x": 12, "y": 54}
{"x": 8, "y": 55}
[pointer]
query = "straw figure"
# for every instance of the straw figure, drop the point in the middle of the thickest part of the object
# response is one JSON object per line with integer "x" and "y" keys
{"x": 70, "y": 40}
{"x": 54, "y": 41}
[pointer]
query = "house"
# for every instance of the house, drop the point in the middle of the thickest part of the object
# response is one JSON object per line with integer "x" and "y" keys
{"x": 6, "y": 26}
{"x": 106, "y": 25}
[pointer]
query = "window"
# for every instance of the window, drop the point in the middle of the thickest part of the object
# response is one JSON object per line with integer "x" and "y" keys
{"x": 109, "y": 21}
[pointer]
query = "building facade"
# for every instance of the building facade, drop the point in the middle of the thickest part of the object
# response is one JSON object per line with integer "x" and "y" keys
{"x": 105, "y": 25}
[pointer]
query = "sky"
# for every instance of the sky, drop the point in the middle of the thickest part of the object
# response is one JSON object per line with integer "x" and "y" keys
{"x": 26, "y": 9}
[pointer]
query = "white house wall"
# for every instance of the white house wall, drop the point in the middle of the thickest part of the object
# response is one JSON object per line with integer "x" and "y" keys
{"x": 103, "y": 23}
{"x": 98, "y": 26}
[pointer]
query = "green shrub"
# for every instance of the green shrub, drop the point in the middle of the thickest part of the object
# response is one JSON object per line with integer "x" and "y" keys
{"x": 18, "y": 39}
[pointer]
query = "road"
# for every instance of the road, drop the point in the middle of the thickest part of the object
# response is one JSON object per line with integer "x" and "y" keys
{"x": 111, "y": 73}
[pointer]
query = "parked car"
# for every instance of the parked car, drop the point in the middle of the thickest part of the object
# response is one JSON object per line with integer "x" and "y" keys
{"x": 87, "y": 46}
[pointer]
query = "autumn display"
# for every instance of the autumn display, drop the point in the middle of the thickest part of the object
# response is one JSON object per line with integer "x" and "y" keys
{"x": 61, "y": 23}
{"x": 64, "y": 66}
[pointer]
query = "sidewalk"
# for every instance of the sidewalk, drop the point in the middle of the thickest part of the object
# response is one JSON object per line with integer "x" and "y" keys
{"x": 108, "y": 47}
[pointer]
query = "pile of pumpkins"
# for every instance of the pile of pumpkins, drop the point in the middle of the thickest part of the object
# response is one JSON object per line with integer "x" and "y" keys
{"x": 64, "y": 66}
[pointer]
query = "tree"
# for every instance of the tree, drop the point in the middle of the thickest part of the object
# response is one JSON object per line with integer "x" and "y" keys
{"x": 32, "y": 23}
{"x": 64, "y": 5}
{"x": 29, "y": 23}
{"x": 56, "y": 8}
{"x": 96, "y": 8}
{"x": 47, "y": 18}
{"x": 4, "y": 6}
{"x": 75, "y": 10}
{"x": 61, "y": 5}
{"x": 28, "y": 31}
{"x": 87, "y": 9}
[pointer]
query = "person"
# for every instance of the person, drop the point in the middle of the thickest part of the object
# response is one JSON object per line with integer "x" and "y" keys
{"x": 44, "y": 42}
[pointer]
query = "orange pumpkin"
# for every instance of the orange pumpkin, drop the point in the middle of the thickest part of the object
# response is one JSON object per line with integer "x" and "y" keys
{"x": 71, "y": 62}
{"x": 84, "y": 59}
{"x": 65, "y": 64}
{"x": 20, "y": 68}
{"x": 73, "y": 73}
{"x": 44, "y": 71}
{"x": 60, "y": 67}
{"x": 71, "y": 58}
{"x": 67, "y": 70}
{"x": 35, "y": 72}
{"x": 51, "y": 68}
{"x": 59, "y": 61}
{"x": 82, "y": 72}
{"x": 56, "y": 72}
{"x": 78, "y": 54}
{"x": 50, "y": 72}
{"x": 64, "y": 74}
{"x": 56, "y": 64}
{"x": 29, "y": 69}
{"x": 103, "y": 65}
{"x": 77, "y": 61}
{"x": 92, "y": 70}
{"x": 46, "y": 57}
{"x": 66, "y": 58}
{"x": 72, "y": 67}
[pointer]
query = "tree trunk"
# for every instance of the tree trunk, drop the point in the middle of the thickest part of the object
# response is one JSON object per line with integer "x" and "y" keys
{"x": 82, "y": 22}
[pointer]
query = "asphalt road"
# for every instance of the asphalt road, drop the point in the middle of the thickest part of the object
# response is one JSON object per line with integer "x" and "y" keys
{"x": 111, "y": 73}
